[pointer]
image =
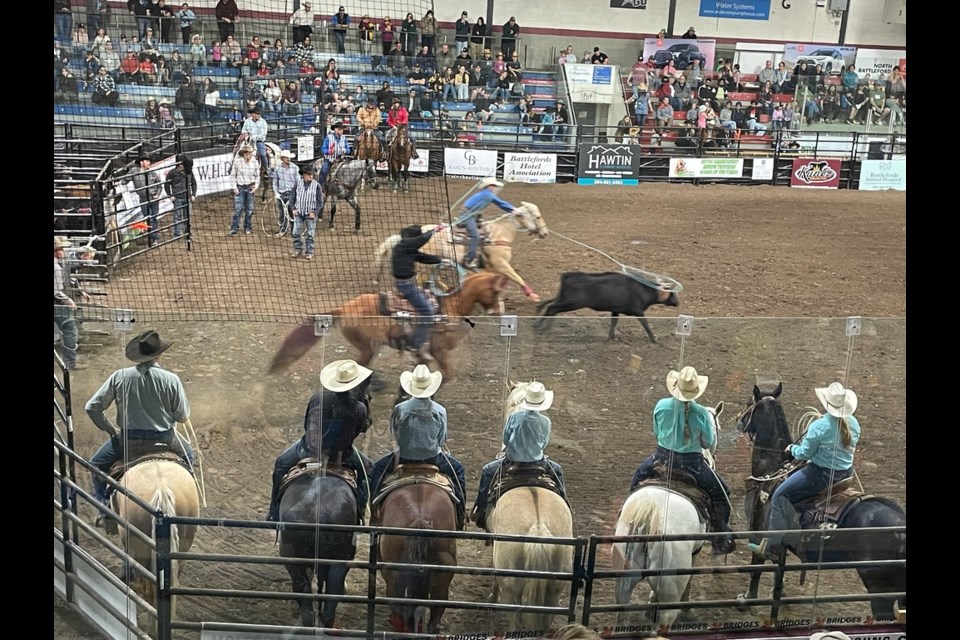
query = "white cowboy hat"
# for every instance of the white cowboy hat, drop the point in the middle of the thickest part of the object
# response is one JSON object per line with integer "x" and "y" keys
{"x": 686, "y": 385}
{"x": 830, "y": 635}
{"x": 286, "y": 153}
{"x": 537, "y": 398}
{"x": 490, "y": 182}
{"x": 420, "y": 383}
{"x": 837, "y": 401}
{"x": 343, "y": 375}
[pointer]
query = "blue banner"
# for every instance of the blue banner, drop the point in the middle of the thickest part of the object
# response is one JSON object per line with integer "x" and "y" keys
{"x": 735, "y": 9}
{"x": 602, "y": 74}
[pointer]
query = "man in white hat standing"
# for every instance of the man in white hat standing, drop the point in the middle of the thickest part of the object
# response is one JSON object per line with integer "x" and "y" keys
{"x": 420, "y": 428}
{"x": 333, "y": 420}
{"x": 470, "y": 214}
{"x": 245, "y": 174}
{"x": 285, "y": 178}
{"x": 64, "y": 307}
{"x": 525, "y": 436}
{"x": 683, "y": 429}
{"x": 302, "y": 22}
{"x": 828, "y": 447}
{"x": 150, "y": 401}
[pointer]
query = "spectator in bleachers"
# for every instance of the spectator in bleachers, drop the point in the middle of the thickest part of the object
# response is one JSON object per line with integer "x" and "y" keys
{"x": 197, "y": 53}
{"x": 100, "y": 41}
{"x": 232, "y": 50}
{"x": 140, "y": 9}
{"x": 186, "y": 101}
{"x": 331, "y": 75}
{"x": 585, "y": 58}
{"x": 151, "y": 113}
{"x": 211, "y": 99}
{"x": 163, "y": 72}
{"x": 789, "y": 121}
{"x": 98, "y": 15}
{"x": 896, "y": 85}
{"x": 167, "y": 118}
{"x": 149, "y": 44}
{"x": 467, "y": 130}
{"x": 641, "y": 104}
{"x": 397, "y": 60}
{"x": 501, "y": 89}
{"x": 776, "y": 117}
{"x": 622, "y": 134}
{"x": 526, "y": 109}
{"x": 263, "y": 70}
{"x": 387, "y": 33}
{"x": 859, "y": 106}
{"x": 821, "y": 77}
{"x": 508, "y": 41}
{"x": 255, "y": 50}
{"x": 185, "y": 19}
{"x": 486, "y": 62}
{"x": 752, "y": 119}
{"x": 849, "y": 80}
{"x": 725, "y": 117}
{"x": 417, "y": 79}
{"x": 148, "y": 70}
{"x": 663, "y": 116}
{"x": 408, "y": 34}
{"x": 831, "y": 104}
{"x": 133, "y": 44}
{"x": 483, "y": 107}
{"x": 781, "y": 80}
{"x": 666, "y": 90}
{"x": 165, "y": 17}
{"x": 515, "y": 73}
{"x": 437, "y": 83}
{"x": 802, "y": 74}
{"x": 303, "y": 51}
{"x": 412, "y": 104}
{"x": 707, "y": 92}
{"x": 561, "y": 119}
{"x": 340, "y": 23}
{"x": 276, "y": 53}
{"x": 462, "y": 29}
{"x": 445, "y": 57}
{"x": 461, "y": 83}
{"x": 464, "y": 58}
{"x": 766, "y": 97}
{"x": 272, "y": 99}
{"x": 67, "y": 90}
{"x": 546, "y": 129}
{"x": 735, "y": 83}
{"x": 638, "y": 75}
{"x": 682, "y": 93}
{"x": 385, "y": 94}
{"x": 179, "y": 68}
{"x": 878, "y": 102}
{"x": 110, "y": 59}
{"x": 366, "y": 35}
{"x": 767, "y": 74}
{"x": 478, "y": 37}
{"x": 599, "y": 57}
{"x": 130, "y": 66}
{"x": 227, "y": 14}
{"x": 478, "y": 80}
{"x": 90, "y": 66}
{"x": 302, "y": 22}
{"x": 216, "y": 55}
{"x": 499, "y": 65}
{"x": 426, "y": 60}
{"x": 359, "y": 96}
{"x": 808, "y": 97}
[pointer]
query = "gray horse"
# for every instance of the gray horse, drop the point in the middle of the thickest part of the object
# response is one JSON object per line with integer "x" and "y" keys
{"x": 344, "y": 181}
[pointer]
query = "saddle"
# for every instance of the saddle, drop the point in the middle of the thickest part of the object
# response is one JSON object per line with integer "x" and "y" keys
{"x": 411, "y": 473}
{"x": 143, "y": 451}
{"x": 458, "y": 235}
{"x": 822, "y": 511}
{"x": 684, "y": 484}
{"x": 314, "y": 467}
{"x": 394, "y": 305}
{"x": 514, "y": 475}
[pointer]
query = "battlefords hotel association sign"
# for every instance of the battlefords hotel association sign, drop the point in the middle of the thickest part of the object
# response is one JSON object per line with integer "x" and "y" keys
{"x": 608, "y": 164}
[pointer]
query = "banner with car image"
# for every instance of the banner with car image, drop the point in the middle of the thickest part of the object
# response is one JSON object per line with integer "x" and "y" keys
{"x": 831, "y": 58}
{"x": 682, "y": 52}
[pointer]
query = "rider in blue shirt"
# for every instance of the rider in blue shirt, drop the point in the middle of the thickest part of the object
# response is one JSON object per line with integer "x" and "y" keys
{"x": 472, "y": 208}
{"x": 334, "y": 147}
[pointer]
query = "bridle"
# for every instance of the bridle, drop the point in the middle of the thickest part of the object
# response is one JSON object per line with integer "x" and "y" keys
{"x": 748, "y": 414}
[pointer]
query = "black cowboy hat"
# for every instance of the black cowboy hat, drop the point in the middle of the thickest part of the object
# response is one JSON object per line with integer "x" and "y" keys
{"x": 142, "y": 157}
{"x": 307, "y": 169}
{"x": 336, "y": 125}
{"x": 146, "y": 346}
{"x": 254, "y": 110}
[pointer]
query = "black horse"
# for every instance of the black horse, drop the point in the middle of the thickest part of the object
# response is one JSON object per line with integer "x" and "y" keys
{"x": 318, "y": 499}
{"x": 344, "y": 181}
{"x": 766, "y": 425}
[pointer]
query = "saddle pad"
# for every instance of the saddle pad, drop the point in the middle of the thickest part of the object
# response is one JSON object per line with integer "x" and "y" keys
{"x": 313, "y": 467}
{"x": 414, "y": 473}
{"x": 824, "y": 510}
{"x": 162, "y": 453}
{"x": 514, "y": 475}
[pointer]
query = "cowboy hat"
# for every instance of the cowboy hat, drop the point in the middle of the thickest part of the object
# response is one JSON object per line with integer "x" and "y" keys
{"x": 337, "y": 125}
{"x": 490, "y": 182}
{"x": 420, "y": 383}
{"x": 146, "y": 346}
{"x": 61, "y": 243}
{"x": 537, "y": 397}
{"x": 253, "y": 110}
{"x": 246, "y": 149}
{"x": 830, "y": 635}
{"x": 686, "y": 385}
{"x": 307, "y": 169}
{"x": 343, "y": 375}
{"x": 286, "y": 153}
{"x": 836, "y": 400}
{"x": 143, "y": 157}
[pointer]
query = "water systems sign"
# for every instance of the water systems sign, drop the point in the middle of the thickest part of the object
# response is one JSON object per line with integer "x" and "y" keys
{"x": 608, "y": 164}
{"x": 706, "y": 167}
{"x": 533, "y": 168}
{"x": 813, "y": 173}
{"x": 469, "y": 163}
{"x": 736, "y": 9}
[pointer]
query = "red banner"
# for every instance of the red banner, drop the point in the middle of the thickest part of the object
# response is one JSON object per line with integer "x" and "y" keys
{"x": 815, "y": 173}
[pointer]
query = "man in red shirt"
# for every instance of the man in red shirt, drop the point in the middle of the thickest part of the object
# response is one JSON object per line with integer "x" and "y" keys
{"x": 397, "y": 117}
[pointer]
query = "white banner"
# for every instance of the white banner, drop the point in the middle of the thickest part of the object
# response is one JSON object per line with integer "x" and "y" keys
{"x": 762, "y": 169}
{"x": 706, "y": 167}
{"x": 129, "y": 208}
{"x": 304, "y": 148}
{"x": 470, "y": 163}
{"x": 879, "y": 63}
{"x": 534, "y": 168}
{"x": 420, "y": 165}
{"x": 212, "y": 173}
{"x": 877, "y": 175}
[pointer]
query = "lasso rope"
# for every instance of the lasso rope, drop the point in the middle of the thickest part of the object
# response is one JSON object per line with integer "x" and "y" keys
{"x": 190, "y": 438}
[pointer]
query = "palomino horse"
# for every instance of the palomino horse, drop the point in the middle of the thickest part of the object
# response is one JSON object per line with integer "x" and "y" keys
{"x": 317, "y": 497}
{"x": 417, "y": 506}
{"x": 655, "y": 510}
{"x": 366, "y": 329}
{"x": 169, "y": 488}
{"x": 344, "y": 181}
{"x": 766, "y": 424}
{"x": 501, "y": 232}
{"x": 530, "y": 511}
{"x": 401, "y": 151}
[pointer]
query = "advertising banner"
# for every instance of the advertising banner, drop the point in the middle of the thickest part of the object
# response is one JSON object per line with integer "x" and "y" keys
{"x": 706, "y": 167}
{"x": 418, "y": 165}
{"x": 831, "y": 58}
{"x": 878, "y": 175}
{"x": 469, "y": 163}
{"x": 879, "y": 63}
{"x": 608, "y": 164}
{"x": 304, "y": 148}
{"x": 592, "y": 83}
{"x": 213, "y": 173}
{"x": 738, "y": 10}
{"x": 762, "y": 169}
{"x": 628, "y": 4}
{"x": 534, "y": 168}
{"x": 683, "y": 52}
{"x": 813, "y": 173}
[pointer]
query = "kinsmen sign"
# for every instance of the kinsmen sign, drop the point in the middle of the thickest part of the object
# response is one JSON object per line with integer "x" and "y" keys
{"x": 608, "y": 164}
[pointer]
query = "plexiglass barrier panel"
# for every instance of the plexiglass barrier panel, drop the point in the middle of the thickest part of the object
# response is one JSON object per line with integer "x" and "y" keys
{"x": 602, "y": 427}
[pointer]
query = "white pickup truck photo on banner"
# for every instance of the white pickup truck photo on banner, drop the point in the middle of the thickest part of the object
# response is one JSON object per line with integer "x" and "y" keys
{"x": 534, "y": 168}
{"x": 469, "y": 163}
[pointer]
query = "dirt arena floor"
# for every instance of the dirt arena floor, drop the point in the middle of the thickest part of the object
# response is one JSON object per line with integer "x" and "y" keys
{"x": 770, "y": 274}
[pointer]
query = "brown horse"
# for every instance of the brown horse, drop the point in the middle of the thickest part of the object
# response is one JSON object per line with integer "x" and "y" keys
{"x": 368, "y": 147}
{"x": 401, "y": 151}
{"x": 366, "y": 329}
{"x": 417, "y": 506}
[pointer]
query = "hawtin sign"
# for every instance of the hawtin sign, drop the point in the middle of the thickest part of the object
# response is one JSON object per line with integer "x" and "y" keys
{"x": 608, "y": 164}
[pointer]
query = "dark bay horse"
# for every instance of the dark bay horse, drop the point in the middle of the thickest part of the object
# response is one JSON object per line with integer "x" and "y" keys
{"x": 401, "y": 151}
{"x": 318, "y": 498}
{"x": 344, "y": 182}
{"x": 417, "y": 506}
{"x": 368, "y": 146}
{"x": 769, "y": 431}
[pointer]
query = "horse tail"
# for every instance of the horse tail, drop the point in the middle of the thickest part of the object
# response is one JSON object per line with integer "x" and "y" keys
{"x": 420, "y": 551}
{"x": 540, "y": 556}
{"x": 642, "y": 518}
{"x": 165, "y": 502}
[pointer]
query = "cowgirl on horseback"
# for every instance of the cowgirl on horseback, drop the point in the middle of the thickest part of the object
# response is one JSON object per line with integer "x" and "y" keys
{"x": 399, "y": 117}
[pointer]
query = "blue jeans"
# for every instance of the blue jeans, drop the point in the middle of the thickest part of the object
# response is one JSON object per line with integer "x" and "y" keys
{"x": 64, "y": 26}
{"x": 150, "y": 211}
{"x": 694, "y": 464}
{"x": 311, "y": 223}
{"x": 341, "y": 37}
{"x": 181, "y": 207}
{"x": 487, "y": 475}
{"x": 144, "y": 23}
{"x": 812, "y": 110}
{"x": 450, "y": 90}
{"x": 410, "y": 290}
{"x": 112, "y": 450}
{"x": 470, "y": 224}
{"x": 447, "y": 464}
{"x": 324, "y": 170}
{"x": 243, "y": 201}
{"x": 69, "y": 333}
{"x": 262, "y": 154}
{"x": 809, "y": 481}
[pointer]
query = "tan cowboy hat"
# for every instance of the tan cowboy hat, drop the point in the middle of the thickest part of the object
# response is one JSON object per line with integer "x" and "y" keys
{"x": 537, "y": 397}
{"x": 420, "y": 383}
{"x": 830, "y": 635}
{"x": 685, "y": 385}
{"x": 490, "y": 182}
{"x": 286, "y": 153}
{"x": 343, "y": 375}
{"x": 836, "y": 400}
{"x": 246, "y": 149}
{"x": 146, "y": 346}
{"x": 61, "y": 243}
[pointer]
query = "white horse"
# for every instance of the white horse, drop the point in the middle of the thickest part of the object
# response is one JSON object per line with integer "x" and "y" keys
{"x": 530, "y": 511}
{"x": 651, "y": 511}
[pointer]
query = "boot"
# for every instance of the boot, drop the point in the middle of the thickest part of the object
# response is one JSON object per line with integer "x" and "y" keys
{"x": 479, "y": 517}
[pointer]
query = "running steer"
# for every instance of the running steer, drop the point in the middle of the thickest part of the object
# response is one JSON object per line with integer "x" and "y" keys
{"x": 610, "y": 291}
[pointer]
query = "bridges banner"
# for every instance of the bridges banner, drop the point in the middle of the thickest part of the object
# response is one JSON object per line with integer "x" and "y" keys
{"x": 608, "y": 164}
